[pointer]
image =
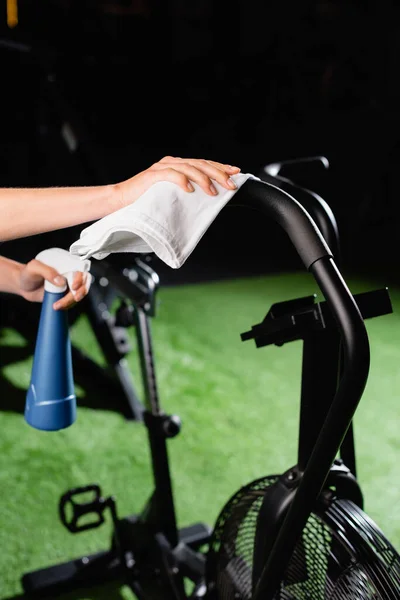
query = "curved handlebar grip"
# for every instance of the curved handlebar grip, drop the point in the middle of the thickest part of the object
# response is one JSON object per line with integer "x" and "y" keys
{"x": 317, "y": 257}
{"x": 317, "y": 207}
{"x": 288, "y": 213}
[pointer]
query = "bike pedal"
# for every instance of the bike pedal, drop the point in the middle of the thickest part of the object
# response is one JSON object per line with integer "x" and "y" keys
{"x": 73, "y": 511}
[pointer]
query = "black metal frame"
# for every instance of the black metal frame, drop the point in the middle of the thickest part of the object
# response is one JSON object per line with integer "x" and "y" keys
{"x": 284, "y": 175}
{"x": 138, "y": 282}
{"x": 305, "y": 319}
{"x": 333, "y": 429}
{"x": 317, "y": 258}
{"x": 155, "y": 531}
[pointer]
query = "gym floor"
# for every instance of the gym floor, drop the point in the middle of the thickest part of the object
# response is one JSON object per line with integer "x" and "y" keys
{"x": 239, "y": 408}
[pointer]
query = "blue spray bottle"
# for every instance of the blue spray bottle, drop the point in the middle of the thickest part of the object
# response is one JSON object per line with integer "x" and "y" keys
{"x": 51, "y": 401}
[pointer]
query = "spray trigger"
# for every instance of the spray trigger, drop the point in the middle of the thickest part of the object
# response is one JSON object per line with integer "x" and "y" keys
{"x": 66, "y": 265}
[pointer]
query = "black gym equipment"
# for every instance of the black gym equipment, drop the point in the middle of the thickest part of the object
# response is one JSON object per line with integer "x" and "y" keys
{"x": 302, "y": 170}
{"x": 299, "y": 535}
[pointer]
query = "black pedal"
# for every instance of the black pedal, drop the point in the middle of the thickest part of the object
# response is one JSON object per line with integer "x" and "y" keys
{"x": 72, "y": 511}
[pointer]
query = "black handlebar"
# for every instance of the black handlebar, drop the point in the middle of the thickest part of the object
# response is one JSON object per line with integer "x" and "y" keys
{"x": 288, "y": 213}
{"x": 316, "y": 206}
{"x": 317, "y": 258}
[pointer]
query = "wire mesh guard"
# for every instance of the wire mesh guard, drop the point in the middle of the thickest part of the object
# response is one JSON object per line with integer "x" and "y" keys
{"x": 341, "y": 554}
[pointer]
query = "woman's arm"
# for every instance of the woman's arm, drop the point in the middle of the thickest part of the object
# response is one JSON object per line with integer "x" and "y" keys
{"x": 26, "y": 212}
{"x": 29, "y": 211}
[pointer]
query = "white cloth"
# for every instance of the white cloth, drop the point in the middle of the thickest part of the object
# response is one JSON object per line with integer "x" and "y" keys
{"x": 165, "y": 220}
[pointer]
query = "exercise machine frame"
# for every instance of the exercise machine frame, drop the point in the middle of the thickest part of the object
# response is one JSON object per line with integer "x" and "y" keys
{"x": 148, "y": 552}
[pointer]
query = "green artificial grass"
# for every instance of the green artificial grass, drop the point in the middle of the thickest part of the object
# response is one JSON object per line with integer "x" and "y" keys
{"x": 239, "y": 408}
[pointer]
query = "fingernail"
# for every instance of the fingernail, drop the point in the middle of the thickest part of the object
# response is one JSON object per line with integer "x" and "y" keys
{"x": 234, "y": 168}
{"x": 87, "y": 282}
{"x": 213, "y": 190}
{"x": 190, "y": 187}
{"x": 232, "y": 184}
{"x": 58, "y": 280}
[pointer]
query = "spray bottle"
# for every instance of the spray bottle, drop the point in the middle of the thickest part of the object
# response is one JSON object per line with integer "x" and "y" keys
{"x": 51, "y": 401}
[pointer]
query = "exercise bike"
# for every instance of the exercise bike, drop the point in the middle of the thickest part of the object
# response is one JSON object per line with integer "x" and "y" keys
{"x": 295, "y": 536}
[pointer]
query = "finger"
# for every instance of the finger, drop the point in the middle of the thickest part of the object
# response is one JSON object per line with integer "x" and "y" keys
{"x": 168, "y": 173}
{"x": 74, "y": 295}
{"x": 222, "y": 166}
{"x": 66, "y": 302}
{"x": 87, "y": 281}
{"x": 40, "y": 269}
{"x": 217, "y": 171}
{"x": 184, "y": 173}
{"x": 187, "y": 174}
{"x": 78, "y": 280}
{"x": 201, "y": 172}
{"x": 81, "y": 292}
{"x": 82, "y": 281}
{"x": 35, "y": 272}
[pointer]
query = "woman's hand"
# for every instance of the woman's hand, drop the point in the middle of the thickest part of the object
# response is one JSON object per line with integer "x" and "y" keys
{"x": 182, "y": 171}
{"x": 31, "y": 284}
{"x": 30, "y": 211}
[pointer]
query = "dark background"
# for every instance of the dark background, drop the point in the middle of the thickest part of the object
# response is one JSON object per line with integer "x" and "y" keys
{"x": 243, "y": 82}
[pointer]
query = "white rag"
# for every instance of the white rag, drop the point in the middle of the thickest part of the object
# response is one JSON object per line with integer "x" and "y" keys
{"x": 165, "y": 220}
